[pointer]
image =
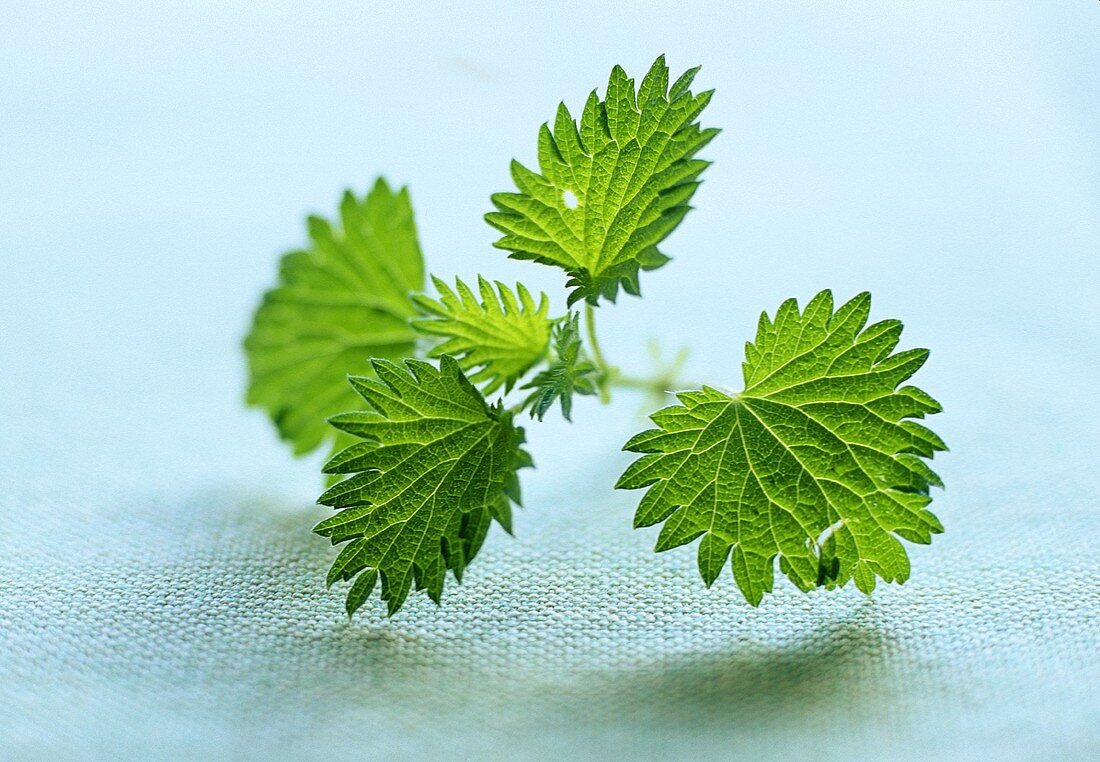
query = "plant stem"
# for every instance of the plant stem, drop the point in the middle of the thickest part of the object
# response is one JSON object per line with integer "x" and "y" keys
{"x": 630, "y": 382}
{"x": 606, "y": 371}
{"x": 610, "y": 375}
{"x": 590, "y": 326}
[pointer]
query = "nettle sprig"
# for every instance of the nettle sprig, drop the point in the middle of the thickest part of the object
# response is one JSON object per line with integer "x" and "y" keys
{"x": 818, "y": 462}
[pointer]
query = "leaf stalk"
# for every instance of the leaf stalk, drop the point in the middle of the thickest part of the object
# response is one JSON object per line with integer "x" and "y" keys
{"x": 606, "y": 371}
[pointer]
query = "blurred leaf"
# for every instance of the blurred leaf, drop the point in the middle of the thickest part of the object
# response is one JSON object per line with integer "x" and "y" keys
{"x": 340, "y": 302}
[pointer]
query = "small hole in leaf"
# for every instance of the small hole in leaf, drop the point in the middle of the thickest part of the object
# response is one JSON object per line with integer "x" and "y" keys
{"x": 569, "y": 198}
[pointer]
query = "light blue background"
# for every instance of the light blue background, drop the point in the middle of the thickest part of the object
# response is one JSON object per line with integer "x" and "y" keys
{"x": 160, "y": 589}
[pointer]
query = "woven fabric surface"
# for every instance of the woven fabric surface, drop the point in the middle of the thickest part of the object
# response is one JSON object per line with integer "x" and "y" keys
{"x": 161, "y": 595}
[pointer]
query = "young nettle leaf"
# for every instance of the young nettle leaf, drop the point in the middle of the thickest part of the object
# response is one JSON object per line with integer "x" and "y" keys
{"x": 817, "y": 465}
{"x": 339, "y": 302}
{"x": 500, "y": 336}
{"x": 816, "y": 461}
{"x": 434, "y": 463}
{"x": 610, "y": 189}
{"x": 570, "y": 372}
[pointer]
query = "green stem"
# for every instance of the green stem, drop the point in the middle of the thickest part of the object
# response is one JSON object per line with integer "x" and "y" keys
{"x": 610, "y": 375}
{"x": 606, "y": 371}
{"x": 590, "y": 326}
{"x": 630, "y": 382}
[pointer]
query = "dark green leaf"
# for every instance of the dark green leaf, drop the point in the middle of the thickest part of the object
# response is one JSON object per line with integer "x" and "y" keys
{"x": 570, "y": 372}
{"x": 431, "y": 465}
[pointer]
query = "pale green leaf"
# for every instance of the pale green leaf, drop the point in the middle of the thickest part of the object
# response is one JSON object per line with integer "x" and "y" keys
{"x": 339, "y": 302}
{"x": 499, "y": 337}
{"x": 817, "y": 462}
{"x": 610, "y": 189}
{"x": 432, "y": 464}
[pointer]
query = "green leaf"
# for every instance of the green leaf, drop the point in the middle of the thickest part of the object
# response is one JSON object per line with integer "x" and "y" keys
{"x": 500, "y": 336}
{"x": 610, "y": 189}
{"x": 815, "y": 462}
{"x": 339, "y": 302}
{"x": 432, "y": 464}
{"x": 569, "y": 373}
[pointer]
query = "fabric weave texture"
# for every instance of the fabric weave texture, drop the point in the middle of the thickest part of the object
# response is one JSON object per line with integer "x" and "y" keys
{"x": 161, "y": 595}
